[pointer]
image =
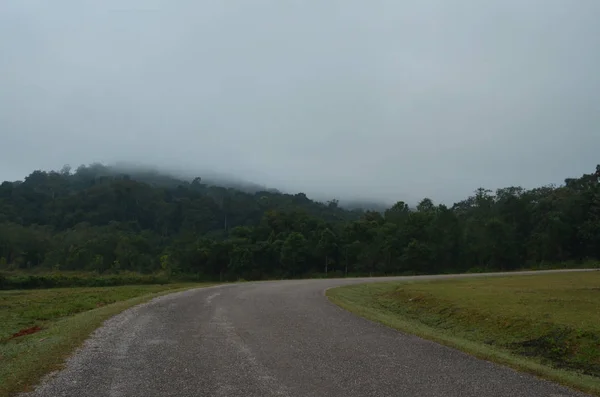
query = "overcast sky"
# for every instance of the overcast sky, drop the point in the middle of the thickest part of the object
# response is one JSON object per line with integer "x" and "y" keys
{"x": 389, "y": 100}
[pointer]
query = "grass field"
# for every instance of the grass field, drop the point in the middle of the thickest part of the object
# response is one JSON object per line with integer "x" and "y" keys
{"x": 548, "y": 325}
{"x": 40, "y": 328}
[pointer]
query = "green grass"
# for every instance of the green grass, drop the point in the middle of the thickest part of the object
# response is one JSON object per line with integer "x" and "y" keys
{"x": 547, "y": 324}
{"x": 65, "y": 317}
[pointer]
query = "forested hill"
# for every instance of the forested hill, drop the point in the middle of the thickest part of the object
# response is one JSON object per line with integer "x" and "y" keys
{"x": 97, "y": 219}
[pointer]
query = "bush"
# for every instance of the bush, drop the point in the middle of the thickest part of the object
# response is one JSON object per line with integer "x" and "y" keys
{"x": 64, "y": 280}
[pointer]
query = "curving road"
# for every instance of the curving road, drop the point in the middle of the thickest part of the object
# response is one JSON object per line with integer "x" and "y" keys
{"x": 281, "y": 338}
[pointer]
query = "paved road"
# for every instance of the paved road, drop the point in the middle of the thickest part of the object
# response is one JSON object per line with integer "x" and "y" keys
{"x": 265, "y": 339}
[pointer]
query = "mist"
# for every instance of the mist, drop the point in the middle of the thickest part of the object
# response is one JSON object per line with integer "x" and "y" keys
{"x": 381, "y": 100}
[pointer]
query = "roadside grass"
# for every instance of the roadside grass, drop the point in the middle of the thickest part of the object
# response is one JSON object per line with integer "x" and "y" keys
{"x": 39, "y": 329}
{"x": 547, "y": 324}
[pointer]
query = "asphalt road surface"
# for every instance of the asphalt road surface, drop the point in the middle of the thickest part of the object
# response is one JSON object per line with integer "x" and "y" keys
{"x": 281, "y": 338}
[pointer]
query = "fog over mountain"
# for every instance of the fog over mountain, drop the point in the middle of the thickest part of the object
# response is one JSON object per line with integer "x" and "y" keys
{"x": 381, "y": 101}
{"x": 149, "y": 174}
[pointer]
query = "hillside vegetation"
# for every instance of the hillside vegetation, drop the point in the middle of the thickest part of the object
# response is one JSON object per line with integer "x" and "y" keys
{"x": 98, "y": 219}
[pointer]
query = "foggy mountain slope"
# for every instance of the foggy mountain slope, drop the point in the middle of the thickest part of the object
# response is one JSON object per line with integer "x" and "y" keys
{"x": 171, "y": 177}
{"x": 168, "y": 175}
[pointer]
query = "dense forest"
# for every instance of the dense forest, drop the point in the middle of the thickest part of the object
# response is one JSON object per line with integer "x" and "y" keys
{"x": 99, "y": 219}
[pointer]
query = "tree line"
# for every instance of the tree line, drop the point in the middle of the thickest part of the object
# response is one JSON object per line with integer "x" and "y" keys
{"x": 101, "y": 220}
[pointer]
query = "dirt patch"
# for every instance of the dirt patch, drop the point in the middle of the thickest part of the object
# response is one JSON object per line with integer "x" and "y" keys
{"x": 26, "y": 331}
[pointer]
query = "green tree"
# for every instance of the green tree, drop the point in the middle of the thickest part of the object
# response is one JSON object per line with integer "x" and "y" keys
{"x": 327, "y": 246}
{"x": 293, "y": 253}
